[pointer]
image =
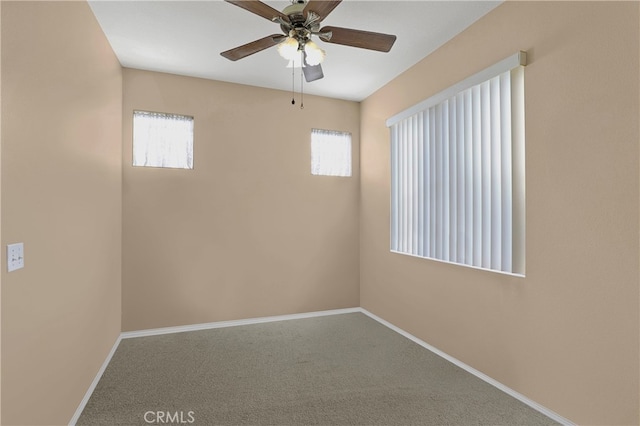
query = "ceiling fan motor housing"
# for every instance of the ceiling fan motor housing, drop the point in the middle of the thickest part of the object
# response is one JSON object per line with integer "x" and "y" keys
{"x": 294, "y": 11}
{"x": 299, "y": 27}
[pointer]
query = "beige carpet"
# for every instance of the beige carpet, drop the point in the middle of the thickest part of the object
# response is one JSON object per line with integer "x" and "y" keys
{"x": 334, "y": 370}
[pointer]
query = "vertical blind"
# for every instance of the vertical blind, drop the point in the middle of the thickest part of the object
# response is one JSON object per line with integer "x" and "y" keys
{"x": 330, "y": 153}
{"x": 457, "y": 176}
{"x": 162, "y": 140}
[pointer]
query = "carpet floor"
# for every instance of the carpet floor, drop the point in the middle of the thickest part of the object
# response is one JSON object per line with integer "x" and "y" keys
{"x": 334, "y": 370}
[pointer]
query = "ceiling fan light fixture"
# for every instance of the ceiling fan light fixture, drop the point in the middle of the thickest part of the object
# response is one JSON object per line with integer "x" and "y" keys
{"x": 299, "y": 22}
{"x": 314, "y": 54}
{"x": 288, "y": 49}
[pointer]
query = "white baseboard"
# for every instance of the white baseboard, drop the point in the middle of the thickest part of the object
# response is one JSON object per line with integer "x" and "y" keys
{"x": 552, "y": 415}
{"x": 93, "y": 385}
{"x": 233, "y": 323}
{"x": 221, "y": 324}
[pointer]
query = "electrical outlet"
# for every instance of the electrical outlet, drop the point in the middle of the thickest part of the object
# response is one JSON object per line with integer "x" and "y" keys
{"x": 15, "y": 256}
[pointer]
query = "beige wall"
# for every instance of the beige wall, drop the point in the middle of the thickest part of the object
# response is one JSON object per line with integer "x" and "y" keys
{"x": 249, "y": 231}
{"x": 565, "y": 336}
{"x": 61, "y": 196}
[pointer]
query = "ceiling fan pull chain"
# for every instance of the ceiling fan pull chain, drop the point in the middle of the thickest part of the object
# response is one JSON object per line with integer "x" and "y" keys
{"x": 293, "y": 86}
{"x": 301, "y": 80}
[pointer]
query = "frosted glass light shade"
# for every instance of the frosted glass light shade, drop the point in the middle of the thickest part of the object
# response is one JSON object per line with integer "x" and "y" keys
{"x": 315, "y": 55}
{"x": 288, "y": 49}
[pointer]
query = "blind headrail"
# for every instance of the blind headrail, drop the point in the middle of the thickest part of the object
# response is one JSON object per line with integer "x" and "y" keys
{"x": 513, "y": 61}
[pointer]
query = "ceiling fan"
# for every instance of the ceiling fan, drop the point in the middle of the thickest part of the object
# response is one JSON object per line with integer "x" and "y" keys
{"x": 299, "y": 22}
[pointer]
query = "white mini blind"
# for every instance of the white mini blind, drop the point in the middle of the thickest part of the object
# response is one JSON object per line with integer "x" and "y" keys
{"x": 457, "y": 173}
{"x": 330, "y": 153}
{"x": 162, "y": 140}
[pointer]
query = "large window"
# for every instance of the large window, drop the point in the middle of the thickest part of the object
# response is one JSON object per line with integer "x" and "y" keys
{"x": 330, "y": 153}
{"x": 162, "y": 140}
{"x": 457, "y": 172}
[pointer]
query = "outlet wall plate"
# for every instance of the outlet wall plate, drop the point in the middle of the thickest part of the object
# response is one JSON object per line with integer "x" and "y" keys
{"x": 15, "y": 256}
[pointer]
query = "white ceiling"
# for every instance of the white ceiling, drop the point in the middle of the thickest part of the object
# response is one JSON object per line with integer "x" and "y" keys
{"x": 186, "y": 38}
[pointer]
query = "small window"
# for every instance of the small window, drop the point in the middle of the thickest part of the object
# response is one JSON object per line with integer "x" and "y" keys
{"x": 162, "y": 140}
{"x": 330, "y": 153}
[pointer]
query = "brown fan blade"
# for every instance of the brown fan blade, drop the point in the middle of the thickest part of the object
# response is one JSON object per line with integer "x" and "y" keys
{"x": 253, "y": 47}
{"x": 259, "y": 8}
{"x": 358, "y": 38}
{"x": 322, "y": 8}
